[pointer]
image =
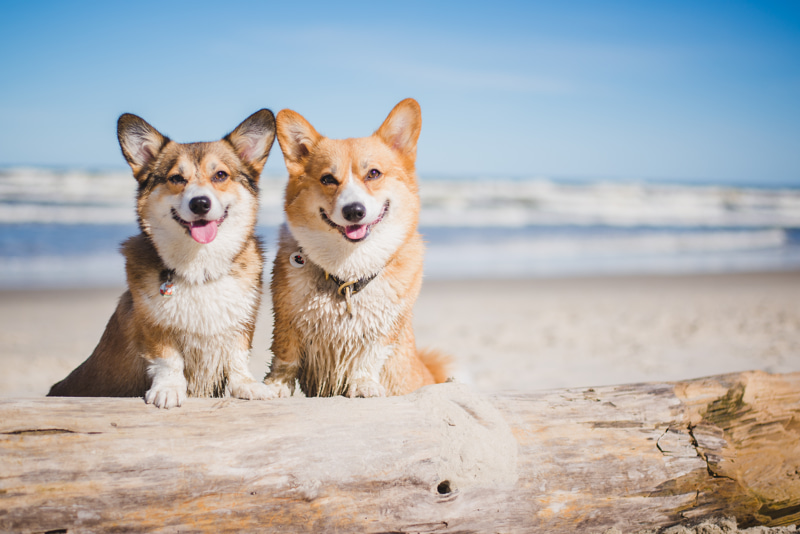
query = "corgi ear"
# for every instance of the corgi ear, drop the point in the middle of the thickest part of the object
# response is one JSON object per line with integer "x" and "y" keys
{"x": 253, "y": 138}
{"x": 401, "y": 128}
{"x": 297, "y": 138}
{"x": 139, "y": 141}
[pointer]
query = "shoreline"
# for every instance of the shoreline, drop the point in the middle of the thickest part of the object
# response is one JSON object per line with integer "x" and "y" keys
{"x": 505, "y": 334}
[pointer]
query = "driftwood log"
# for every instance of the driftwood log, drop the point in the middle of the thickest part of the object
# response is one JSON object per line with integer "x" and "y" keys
{"x": 443, "y": 459}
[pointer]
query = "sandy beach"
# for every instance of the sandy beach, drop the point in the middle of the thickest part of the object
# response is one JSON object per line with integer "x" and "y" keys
{"x": 503, "y": 334}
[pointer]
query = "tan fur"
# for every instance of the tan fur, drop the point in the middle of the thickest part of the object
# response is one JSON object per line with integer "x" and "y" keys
{"x": 370, "y": 350}
{"x": 204, "y": 331}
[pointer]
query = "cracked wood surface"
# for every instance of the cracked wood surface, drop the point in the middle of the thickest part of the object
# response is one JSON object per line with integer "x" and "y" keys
{"x": 443, "y": 459}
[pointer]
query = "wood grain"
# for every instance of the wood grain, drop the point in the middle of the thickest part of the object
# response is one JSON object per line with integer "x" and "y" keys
{"x": 443, "y": 459}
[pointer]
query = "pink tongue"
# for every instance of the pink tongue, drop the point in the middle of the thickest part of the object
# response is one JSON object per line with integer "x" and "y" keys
{"x": 357, "y": 231}
{"x": 204, "y": 231}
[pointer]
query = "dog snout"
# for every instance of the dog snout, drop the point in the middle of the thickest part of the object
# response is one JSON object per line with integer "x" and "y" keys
{"x": 354, "y": 212}
{"x": 200, "y": 205}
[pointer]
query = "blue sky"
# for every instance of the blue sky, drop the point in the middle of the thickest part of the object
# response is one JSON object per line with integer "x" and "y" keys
{"x": 697, "y": 91}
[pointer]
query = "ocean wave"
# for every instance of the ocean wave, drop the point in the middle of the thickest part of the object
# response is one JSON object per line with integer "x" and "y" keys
{"x": 62, "y": 229}
{"x": 545, "y": 202}
{"x": 73, "y": 197}
{"x": 644, "y": 252}
{"x": 39, "y": 195}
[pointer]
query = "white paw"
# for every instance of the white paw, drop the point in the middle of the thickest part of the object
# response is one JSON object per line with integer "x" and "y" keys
{"x": 278, "y": 389}
{"x": 165, "y": 396}
{"x": 365, "y": 387}
{"x": 251, "y": 390}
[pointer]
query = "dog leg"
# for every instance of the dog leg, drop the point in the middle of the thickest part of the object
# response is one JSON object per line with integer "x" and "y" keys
{"x": 241, "y": 383}
{"x": 365, "y": 375}
{"x": 168, "y": 389}
{"x": 365, "y": 387}
{"x": 281, "y": 378}
{"x": 285, "y": 366}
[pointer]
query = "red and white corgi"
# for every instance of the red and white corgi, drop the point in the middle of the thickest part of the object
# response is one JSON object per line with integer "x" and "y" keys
{"x": 194, "y": 273}
{"x": 349, "y": 263}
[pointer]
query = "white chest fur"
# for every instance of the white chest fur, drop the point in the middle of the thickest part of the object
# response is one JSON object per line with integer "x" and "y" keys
{"x": 216, "y": 308}
{"x": 206, "y": 324}
{"x": 339, "y": 346}
{"x": 319, "y": 309}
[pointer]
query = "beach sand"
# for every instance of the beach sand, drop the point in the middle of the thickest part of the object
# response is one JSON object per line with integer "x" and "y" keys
{"x": 503, "y": 334}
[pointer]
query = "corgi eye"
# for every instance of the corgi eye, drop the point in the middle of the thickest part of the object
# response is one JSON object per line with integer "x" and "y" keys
{"x": 374, "y": 174}
{"x": 328, "y": 179}
{"x": 177, "y": 179}
{"x": 221, "y": 176}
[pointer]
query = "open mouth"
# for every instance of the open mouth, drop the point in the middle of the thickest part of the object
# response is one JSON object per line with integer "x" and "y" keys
{"x": 202, "y": 231}
{"x": 355, "y": 232}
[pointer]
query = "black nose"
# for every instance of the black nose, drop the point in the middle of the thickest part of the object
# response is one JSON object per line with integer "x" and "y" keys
{"x": 354, "y": 212}
{"x": 200, "y": 205}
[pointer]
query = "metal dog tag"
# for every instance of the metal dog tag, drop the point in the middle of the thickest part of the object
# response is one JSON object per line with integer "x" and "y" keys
{"x": 297, "y": 259}
{"x": 166, "y": 289}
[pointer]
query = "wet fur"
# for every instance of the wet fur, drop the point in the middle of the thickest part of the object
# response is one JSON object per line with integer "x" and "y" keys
{"x": 315, "y": 339}
{"x": 196, "y": 342}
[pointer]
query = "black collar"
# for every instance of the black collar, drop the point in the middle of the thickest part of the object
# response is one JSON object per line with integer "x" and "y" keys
{"x": 345, "y": 288}
{"x": 356, "y": 286}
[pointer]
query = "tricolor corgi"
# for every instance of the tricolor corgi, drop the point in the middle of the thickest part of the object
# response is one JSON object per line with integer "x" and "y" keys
{"x": 349, "y": 263}
{"x": 185, "y": 325}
